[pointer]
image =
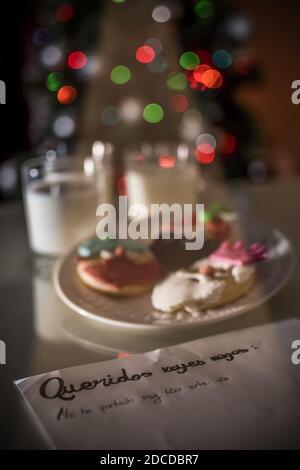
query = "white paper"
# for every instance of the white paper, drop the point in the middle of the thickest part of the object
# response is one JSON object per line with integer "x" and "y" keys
{"x": 181, "y": 397}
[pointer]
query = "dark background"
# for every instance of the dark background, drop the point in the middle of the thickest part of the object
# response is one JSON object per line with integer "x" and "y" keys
{"x": 274, "y": 44}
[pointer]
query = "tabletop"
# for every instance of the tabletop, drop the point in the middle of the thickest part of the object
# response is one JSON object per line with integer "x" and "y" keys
{"x": 42, "y": 334}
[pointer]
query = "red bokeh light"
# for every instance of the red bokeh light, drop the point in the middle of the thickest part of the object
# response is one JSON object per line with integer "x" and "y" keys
{"x": 167, "y": 161}
{"x": 179, "y": 103}
{"x": 67, "y": 94}
{"x": 65, "y": 13}
{"x": 205, "y": 56}
{"x": 145, "y": 54}
{"x": 228, "y": 144}
{"x": 243, "y": 65}
{"x": 199, "y": 72}
{"x": 205, "y": 153}
{"x": 77, "y": 60}
{"x": 212, "y": 79}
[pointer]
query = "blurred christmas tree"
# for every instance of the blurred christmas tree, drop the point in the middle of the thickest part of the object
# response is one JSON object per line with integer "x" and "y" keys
{"x": 211, "y": 66}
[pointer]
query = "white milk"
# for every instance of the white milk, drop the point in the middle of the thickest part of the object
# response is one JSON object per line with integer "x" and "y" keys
{"x": 61, "y": 211}
{"x": 149, "y": 185}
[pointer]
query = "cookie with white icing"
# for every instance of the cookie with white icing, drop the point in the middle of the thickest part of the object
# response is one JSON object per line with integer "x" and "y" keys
{"x": 224, "y": 277}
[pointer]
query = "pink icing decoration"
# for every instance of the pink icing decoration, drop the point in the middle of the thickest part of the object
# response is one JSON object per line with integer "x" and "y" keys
{"x": 237, "y": 254}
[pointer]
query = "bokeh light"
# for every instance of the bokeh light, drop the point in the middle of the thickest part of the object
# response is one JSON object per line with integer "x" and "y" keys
{"x": 206, "y": 138}
{"x": 161, "y": 14}
{"x": 205, "y": 153}
{"x": 199, "y": 71}
{"x": 67, "y": 94}
{"x": 153, "y": 113}
{"x": 145, "y": 54}
{"x": 227, "y": 143}
{"x": 177, "y": 81}
{"x": 54, "y": 81}
{"x": 243, "y": 64}
{"x": 64, "y": 13}
{"x": 179, "y": 103}
{"x": 120, "y": 75}
{"x": 155, "y": 44}
{"x": 130, "y": 110}
{"x": 238, "y": 27}
{"x": 212, "y": 79}
{"x": 93, "y": 66}
{"x": 167, "y": 161}
{"x": 110, "y": 116}
{"x": 222, "y": 59}
{"x": 204, "y": 9}
{"x": 77, "y": 60}
{"x": 64, "y": 126}
{"x": 98, "y": 150}
{"x": 41, "y": 37}
{"x": 191, "y": 125}
{"x": 205, "y": 56}
{"x": 189, "y": 60}
{"x": 158, "y": 65}
{"x": 51, "y": 55}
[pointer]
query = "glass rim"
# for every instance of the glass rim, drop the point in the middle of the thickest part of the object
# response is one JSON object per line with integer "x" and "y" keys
{"x": 33, "y": 161}
{"x": 151, "y": 152}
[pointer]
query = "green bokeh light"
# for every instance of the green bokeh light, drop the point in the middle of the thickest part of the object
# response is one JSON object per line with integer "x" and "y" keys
{"x": 189, "y": 60}
{"x": 153, "y": 113}
{"x": 177, "y": 81}
{"x": 120, "y": 75}
{"x": 54, "y": 81}
{"x": 204, "y": 9}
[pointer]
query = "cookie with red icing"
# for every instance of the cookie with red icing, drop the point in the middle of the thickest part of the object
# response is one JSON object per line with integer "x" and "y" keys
{"x": 117, "y": 270}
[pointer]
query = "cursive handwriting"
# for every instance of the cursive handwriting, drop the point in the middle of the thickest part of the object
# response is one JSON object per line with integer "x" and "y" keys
{"x": 55, "y": 387}
{"x": 183, "y": 367}
{"x": 230, "y": 355}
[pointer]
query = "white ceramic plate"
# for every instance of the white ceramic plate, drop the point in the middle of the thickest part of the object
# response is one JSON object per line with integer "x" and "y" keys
{"x": 137, "y": 312}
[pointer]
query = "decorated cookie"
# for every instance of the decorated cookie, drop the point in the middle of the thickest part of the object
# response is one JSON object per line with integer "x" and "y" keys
{"x": 217, "y": 223}
{"x": 119, "y": 271}
{"x": 223, "y": 277}
{"x": 236, "y": 254}
{"x": 184, "y": 288}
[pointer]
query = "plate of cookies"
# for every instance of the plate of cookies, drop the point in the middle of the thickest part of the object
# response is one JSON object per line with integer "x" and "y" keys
{"x": 130, "y": 283}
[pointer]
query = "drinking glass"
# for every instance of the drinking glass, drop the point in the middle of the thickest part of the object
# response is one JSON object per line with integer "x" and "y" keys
{"x": 60, "y": 197}
{"x": 161, "y": 173}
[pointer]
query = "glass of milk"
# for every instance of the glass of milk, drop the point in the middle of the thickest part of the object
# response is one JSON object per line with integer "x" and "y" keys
{"x": 161, "y": 173}
{"x": 60, "y": 197}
